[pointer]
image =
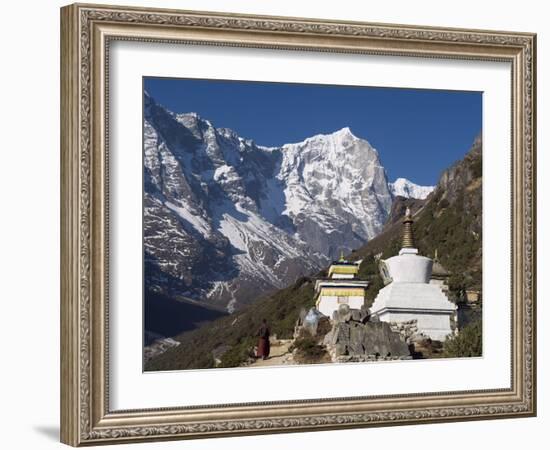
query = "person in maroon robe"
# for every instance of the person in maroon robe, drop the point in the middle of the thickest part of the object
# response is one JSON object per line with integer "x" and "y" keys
{"x": 263, "y": 341}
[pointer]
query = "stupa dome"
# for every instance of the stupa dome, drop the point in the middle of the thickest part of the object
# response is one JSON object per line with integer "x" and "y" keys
{"x": 409, "y": 266}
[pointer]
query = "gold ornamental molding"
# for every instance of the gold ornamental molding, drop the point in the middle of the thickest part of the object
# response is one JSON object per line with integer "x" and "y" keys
{"x": 86, "y": 33}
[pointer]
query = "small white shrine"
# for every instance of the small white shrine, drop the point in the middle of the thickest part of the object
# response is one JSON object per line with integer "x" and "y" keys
{"x": 341, "y": 287}
{"x": 409, "y": 295}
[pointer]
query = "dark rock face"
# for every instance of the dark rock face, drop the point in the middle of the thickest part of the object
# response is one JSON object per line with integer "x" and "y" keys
{"x": 462, "y": 173}
{"x": 451, "y": 222}
{"x": 366, "y": 339}
{"x": 460, "y": 185}
{"x": 346, "y": 314}
{"x": 353, "y": 335}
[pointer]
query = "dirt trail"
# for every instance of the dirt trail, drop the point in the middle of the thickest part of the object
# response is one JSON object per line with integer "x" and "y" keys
{"x": 278, "y": 355}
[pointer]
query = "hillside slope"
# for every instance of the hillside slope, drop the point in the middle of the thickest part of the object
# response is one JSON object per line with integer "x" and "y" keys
{"x": 448, "y": 220}
{"x": 238, "y": 331}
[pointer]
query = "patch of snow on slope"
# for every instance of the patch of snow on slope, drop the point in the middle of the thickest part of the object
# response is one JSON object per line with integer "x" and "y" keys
{"x": 408, "y": 189}
{"x": 198, "y": 223}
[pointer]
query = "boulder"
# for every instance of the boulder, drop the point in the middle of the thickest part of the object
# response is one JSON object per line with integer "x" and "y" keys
{"x": 380, "y": 340}
{"x": 356, "y": 315}
{"x": 346, "y": 314}
{"x": 366, "y": 339}
{"x": 340, "y": 350}
{"x": 343, "y": 314}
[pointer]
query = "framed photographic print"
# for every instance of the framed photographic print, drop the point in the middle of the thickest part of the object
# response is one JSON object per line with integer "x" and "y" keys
{"x": 282, "y": 224}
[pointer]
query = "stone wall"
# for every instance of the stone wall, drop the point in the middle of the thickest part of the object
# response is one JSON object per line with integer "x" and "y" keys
{"x": 354, "y": 338}
{"x": 407, "y": 330}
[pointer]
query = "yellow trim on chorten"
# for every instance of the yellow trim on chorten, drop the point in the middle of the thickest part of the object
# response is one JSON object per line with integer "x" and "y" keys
{"x": 345, "y": 292}
{"x": 341, "y": 269}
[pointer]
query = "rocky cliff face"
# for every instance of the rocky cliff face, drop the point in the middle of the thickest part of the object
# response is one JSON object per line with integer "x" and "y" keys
{"x": 452, "y": 220}
{"x": 226, "y": 219}
{"x": 460, "y": 186}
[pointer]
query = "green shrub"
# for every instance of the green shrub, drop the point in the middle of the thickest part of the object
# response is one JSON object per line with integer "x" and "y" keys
{"x": 239, "y": 353}
{"x": 308, "y": 350}
{"x": 323, "y": 327}
{"x": 376, "y": 283}
{"x": 393, "y": 248}
{"x": 468, "y": 342}
{"x": 368, "y": 267}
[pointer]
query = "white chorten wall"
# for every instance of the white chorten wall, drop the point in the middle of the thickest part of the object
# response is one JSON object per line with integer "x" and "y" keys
{"x": 343, "y": 276}
{"x": 330, "y": 303}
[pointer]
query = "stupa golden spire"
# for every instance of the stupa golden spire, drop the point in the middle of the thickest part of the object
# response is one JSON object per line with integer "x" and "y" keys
{"x": 342, "y": 259}
{"x": 408, "y": 241}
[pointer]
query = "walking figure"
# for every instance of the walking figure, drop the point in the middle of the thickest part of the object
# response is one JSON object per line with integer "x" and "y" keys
{"x": 263, "y": 341}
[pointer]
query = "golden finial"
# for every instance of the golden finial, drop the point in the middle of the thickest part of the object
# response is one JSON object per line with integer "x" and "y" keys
{"x": 408, "y": 241}
{"x": 435, "y": 256}
{"x": 342, "y": 259}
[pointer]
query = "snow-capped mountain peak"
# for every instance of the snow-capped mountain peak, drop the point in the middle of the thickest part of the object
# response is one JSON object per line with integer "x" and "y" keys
{"x": 343, "y": 132}
{"x": 339, "y": 136}
{"x": 405, "y": 188}
{"x": 226, "y": 220}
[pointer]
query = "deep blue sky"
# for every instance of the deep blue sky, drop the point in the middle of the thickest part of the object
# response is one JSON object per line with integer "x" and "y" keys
{"x": 418, "y": 133}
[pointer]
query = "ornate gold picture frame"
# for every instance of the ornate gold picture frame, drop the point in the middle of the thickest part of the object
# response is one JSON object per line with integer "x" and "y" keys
{"x": 87, "y": 31}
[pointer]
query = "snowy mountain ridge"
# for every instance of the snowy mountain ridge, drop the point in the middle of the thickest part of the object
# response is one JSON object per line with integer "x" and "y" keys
{"x": 405, "y": 188}
{"x": 227, "y": 220}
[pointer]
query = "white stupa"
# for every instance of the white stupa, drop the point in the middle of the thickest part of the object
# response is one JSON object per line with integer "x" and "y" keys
{"x": 409, "y": 294}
